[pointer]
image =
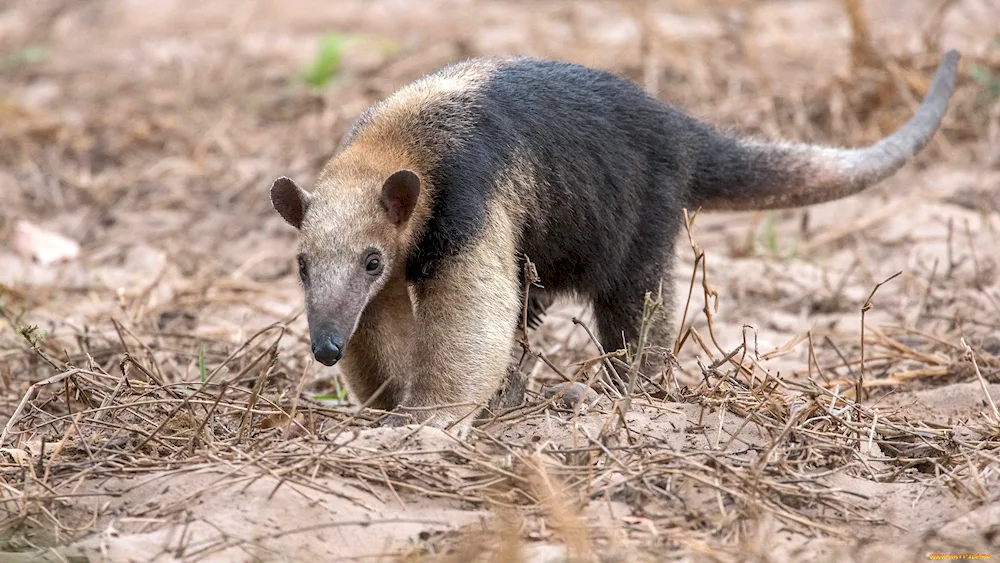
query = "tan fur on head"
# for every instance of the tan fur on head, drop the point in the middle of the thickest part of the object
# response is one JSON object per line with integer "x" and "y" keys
{"x": 350, "y": 188}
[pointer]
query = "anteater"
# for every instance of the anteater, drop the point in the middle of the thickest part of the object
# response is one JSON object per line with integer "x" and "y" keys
{"x": 412, "y": 241}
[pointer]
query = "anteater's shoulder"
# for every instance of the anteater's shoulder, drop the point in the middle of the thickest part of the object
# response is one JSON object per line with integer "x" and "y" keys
{"x": 437, "y": 104}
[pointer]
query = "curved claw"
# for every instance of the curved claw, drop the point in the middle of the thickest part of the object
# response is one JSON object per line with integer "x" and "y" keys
{"x": 536, "y": 309}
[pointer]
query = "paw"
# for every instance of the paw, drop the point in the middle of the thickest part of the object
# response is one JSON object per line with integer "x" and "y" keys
{"x": 440, "y": 420}
{"x": 402, "y": 416}
{"x": 536, "y": 309}
{"x": 396, "y": 419}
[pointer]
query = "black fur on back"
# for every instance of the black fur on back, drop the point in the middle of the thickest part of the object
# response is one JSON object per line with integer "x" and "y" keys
{"x": 610, "y": 173}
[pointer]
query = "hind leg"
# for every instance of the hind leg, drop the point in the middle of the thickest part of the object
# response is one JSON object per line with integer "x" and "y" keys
{"x": 619, "y": 321}
{"x": 619, "y": 316}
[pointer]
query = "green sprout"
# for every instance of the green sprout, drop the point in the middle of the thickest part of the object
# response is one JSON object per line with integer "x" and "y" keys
{"x": 340, "y": 393}
{"x": 986, "y": 78}
{"x": 326, "y": 63}
{"x": 770, "y": 239}
{"x": 329, "y": 55}
{"x": 28, "y": 55}
{"x": 201, "y": 364}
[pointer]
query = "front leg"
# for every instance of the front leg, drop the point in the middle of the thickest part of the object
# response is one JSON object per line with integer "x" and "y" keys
{"x": 466, "y": 317}
{"x": 380, "y": 352}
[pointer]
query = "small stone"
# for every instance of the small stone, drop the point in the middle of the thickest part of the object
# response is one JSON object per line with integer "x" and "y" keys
{"x": 575, "y": 392}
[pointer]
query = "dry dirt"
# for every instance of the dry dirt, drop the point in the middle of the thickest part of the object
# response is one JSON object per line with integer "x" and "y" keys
{"x": 175, "y": 354}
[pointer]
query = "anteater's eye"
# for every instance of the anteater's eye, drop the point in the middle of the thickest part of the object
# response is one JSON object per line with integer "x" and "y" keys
{"x": 303, "y": 268}
{"x": 373, "y": 264}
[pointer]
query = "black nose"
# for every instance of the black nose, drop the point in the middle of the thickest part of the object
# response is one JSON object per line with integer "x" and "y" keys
{"x": 328, "y": 348}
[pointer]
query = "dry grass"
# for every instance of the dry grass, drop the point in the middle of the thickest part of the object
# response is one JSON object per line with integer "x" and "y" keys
{"x": 722, "y": 458}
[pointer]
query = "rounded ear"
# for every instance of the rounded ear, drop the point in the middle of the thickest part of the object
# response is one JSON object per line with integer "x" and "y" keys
{"x": 399, "y": 196}
{"x": 289, "y": 200}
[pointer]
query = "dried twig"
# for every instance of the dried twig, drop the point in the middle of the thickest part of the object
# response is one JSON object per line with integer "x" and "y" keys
{"x": 859, "y": 388}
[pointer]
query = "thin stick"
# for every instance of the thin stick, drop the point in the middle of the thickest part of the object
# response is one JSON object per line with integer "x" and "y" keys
{"x": 605, "y": 356}
{"x": 650, "y": 308}
{"x": 982, "y": 380}
{"x": 859, "y": 388}
{"x": 698, "y": 257}
{"x": 28, "y": 395}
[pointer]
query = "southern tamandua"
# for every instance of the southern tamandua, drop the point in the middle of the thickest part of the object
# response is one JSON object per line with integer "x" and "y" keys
{"x": 411, "y": 240}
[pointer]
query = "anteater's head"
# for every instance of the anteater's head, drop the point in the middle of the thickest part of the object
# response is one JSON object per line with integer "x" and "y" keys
{"x": 352, "y": 242}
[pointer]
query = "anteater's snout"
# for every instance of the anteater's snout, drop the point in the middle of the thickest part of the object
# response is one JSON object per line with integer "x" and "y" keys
{"x": 328, "y": 348}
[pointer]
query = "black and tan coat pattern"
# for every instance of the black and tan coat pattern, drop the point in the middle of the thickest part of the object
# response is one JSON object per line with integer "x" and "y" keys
{"x": 412, "y": 237}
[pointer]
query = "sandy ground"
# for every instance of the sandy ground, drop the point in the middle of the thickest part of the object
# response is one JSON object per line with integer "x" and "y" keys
{"x": 149, "y": 133}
